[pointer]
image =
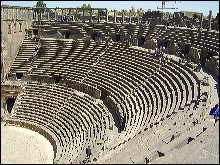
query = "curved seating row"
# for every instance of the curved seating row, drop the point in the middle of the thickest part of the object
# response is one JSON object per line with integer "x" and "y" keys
{"x": 22, "y": 61}
{"x": 141, "y": 90}
{"x": 194, "y": 37}
{"x": 65, "y": 114}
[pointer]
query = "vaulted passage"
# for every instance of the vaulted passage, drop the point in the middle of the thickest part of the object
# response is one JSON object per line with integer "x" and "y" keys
{"x": 10, "y": 103}
{"x": 94, "y": 35}
{"x": 19, "y": 75}
{"x": 141, "y": 41}
{"x": 118, "y": 37}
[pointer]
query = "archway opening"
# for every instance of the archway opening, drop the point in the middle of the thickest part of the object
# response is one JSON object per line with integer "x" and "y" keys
{"x": 187, "y": 46}
{"x": 141, "y": 41}
{"x": 19, "y": 75}
{"x": 67, "y": 35}
{"x": 94, "y": 35}
{"x": 104, "y": 94}
{"x": 10, "y": 103}
{"x": 35, "y": 32}
{"x": 57, "y": 79}
{"x": 118, "y": 37}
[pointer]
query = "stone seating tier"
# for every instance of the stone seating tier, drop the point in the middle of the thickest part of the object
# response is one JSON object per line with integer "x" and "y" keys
{"x": 142, "y": 91}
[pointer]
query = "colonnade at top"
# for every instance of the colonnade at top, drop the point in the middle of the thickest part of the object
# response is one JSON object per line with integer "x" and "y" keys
{"x": 17, "y": 13}
{"x": 56, "y": 14}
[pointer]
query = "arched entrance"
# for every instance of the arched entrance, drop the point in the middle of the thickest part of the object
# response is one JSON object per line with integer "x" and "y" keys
{"x": 118, "y": 37}
{"x": 141, "y": 41}
{"x": 19, "y": 76}
{"x": 9, "y": 104}
{"x": 67, "y": 35}
{"x": 94, "y": 35}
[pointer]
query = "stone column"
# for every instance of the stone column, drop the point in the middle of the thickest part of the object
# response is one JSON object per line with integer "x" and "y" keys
{"x": 7, "y": 13}
{"x": 130, "y": 18}
{"x": 41, "y": 16}
{"x": 36, "y": 16}
{"x": 201, "y": 21}
{"x": 31, "y": 14}
{"x": 62, "y": 14}
{"x": 24, "y": 14}
{"x": 123, "y": 17}
{"x": 12, "y": 13}
{"x": 28, "y": 14}
{"x": 115, "y": 16}
{"x": 90, "y": 20}
{"x": 210, "y": 20}
{"x": 16, "y": 13}
{"x": 83, "y": 19}
{"x": 48, "y": 15}
{"x": 55, "y": 15}
{"x": 98, "y": 15}
{"x": 106, "y": 15}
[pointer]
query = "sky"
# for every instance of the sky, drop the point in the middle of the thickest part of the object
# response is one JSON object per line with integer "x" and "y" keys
{"x": 196, "y": 6}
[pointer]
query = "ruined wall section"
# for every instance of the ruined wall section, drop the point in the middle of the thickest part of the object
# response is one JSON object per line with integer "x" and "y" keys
{"x": 14, "y": 23}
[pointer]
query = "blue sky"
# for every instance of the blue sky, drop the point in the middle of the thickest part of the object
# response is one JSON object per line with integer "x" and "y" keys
{"x": 197, "y": 6}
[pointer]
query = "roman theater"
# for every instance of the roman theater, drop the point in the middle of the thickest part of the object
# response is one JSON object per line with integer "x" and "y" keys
{"x": 134, "y": 89}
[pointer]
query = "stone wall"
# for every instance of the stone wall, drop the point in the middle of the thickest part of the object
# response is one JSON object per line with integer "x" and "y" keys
{"x": 194, "y": 55}
{"x": 213, "y": 65}
{"x": 14, "y": 23}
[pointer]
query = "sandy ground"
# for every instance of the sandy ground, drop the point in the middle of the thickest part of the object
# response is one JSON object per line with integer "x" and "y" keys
{"x": 23, "y": 146}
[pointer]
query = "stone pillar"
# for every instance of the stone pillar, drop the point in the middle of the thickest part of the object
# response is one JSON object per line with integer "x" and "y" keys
{"x": 16, "y": 13}
{"x": 98, "y": 15}
{"x": 123, "y": 17}
{"x": 130, "y": 18}
{"x": 106, "y": 16}
{"x": 36, "y": 16}
{"x": 31, "y": 14}
{"x": 24, "y": 14}
{"x": 138, "y": 18}
{"x": 28, "y": 10}
{"x": 7, "y": 13}
{"x": 41, "y": 17}
{"x": 62, "y": 14}
{"x": 210, "y": 20}
{"x": 201, "y": 21}
{"x": 48, "y": 15}
{"x": 83, "y": 19}
{"x": 90, "y": 20}
{"x": 12, "y": 13}
{"x": 115, "y": 16}
{"x": 55, "y": 15}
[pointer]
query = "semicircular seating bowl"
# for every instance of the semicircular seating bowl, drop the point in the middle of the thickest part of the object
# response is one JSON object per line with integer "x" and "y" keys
{"x": 141, "y": 91}
{"x": 63, "y": 113}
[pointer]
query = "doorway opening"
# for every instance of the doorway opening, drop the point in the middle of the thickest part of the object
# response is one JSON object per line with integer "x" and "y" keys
{"x": 57, "y": 79}
{"x": 141, "y": 41}
{"x": 118, "y": 37}
{"x": 187, "y": 46}
{"x": 19, "y": 76}
{"x": 104, "y": 94}
{"x": 10, "y": 103}
{"x": 35, "y": 32}
{"x": 67, "y": 35}
{"x": 94, "y": 35}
